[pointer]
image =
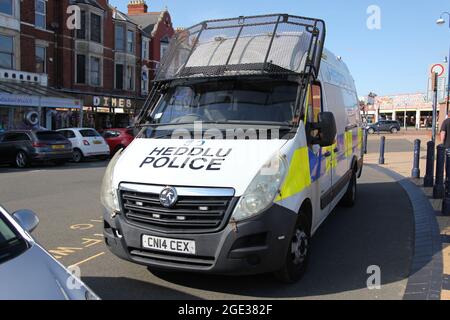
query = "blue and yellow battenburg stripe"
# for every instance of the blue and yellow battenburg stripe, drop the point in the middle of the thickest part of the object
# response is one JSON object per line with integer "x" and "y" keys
{"x": 298, "y": 176}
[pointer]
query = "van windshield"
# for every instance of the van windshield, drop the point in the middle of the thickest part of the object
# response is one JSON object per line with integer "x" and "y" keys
{"x": 228, "y": 101}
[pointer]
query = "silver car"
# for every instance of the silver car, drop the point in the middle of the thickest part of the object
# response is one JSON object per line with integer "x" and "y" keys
{"x": 27, "y": 271}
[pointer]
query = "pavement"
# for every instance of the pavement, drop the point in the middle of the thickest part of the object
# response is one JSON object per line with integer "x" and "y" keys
{"x": 378, "y": 231}
{"x": 399, "y": 158}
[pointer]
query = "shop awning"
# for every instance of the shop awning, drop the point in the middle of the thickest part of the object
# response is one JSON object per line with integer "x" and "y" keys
{"x": 34, "y": 95}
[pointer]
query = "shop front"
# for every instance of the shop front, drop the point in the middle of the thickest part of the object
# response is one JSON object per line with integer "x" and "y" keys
{"x": 32, "y": 107}
{"x": 103, "y": 112}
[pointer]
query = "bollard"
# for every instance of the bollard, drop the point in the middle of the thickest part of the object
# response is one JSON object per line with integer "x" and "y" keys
{"x": 439, "y": 189}
{"x": 366, "y": 133}
{"x": 428, "y": 179}
{"x": 415, "y": 172}
{"x": 446, "y": 200}
{"x": 382, "y": 143}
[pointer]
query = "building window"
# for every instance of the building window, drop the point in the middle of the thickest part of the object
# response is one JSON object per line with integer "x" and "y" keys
{"x": 144, "y": 82}
{"x": 95, "y": 71}
{"x": 119, "y": 76}
{"x": 6, "y": 52}
{"x": 40, "y": 14}
{"x": 41, "y": 59}
{"x": 120, "y": 37}
{"x": 130, "y": 41}
{"x": 164, "y": 47}
{"x": 145, "y": 49}
{"x": 96, "y": 28}
{"x": 81, "y": 68}
{"x": 81, "y": 33}
{"x": 130, "y": 78}
{"x": 6, "y": 7}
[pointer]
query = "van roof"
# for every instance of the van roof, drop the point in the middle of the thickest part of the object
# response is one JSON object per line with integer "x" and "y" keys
{"x": 269, "y": 44}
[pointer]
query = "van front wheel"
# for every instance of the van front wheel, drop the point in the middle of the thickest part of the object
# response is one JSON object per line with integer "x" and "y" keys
{"x": 297, "y": 255}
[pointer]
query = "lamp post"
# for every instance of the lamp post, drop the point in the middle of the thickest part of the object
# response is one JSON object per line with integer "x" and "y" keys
{"x": 371, "y": 100}
{"x": 442, "y": 21}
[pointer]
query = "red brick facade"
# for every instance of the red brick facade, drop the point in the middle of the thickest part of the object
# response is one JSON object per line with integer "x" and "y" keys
{"x": 60, "y": 59}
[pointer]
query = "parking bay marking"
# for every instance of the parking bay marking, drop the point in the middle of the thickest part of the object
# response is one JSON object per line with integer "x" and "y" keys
{"x": 87, "y": 259}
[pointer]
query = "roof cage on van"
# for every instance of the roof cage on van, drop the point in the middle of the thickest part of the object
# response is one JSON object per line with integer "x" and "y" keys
{"x": 269, "y": 44}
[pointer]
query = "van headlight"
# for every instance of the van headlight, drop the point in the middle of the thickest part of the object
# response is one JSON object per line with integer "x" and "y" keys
{"x": 263, "y": 189}
{"x": 108, "y": 192}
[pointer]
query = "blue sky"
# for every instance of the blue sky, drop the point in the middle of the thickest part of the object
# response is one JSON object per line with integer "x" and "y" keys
{"x": 394, "y": 59}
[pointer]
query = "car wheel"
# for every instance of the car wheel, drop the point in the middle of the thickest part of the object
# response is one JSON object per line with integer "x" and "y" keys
{"x": 371, "y": 131}
{"x": 77, "y": 156}
{"x": 21, "y": 160}
{"x": 349, "y": 198}
{"x": 394, "y": 130}
{"x": 297, "y": 255}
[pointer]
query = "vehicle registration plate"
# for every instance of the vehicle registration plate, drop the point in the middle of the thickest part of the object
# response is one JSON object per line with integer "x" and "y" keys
{"x": 97, "y": 142}
{"x": 169, "y": 245}
{"x": 57, "y": 147}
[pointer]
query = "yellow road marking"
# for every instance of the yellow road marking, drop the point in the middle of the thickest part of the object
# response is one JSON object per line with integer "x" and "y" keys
{"x": 88, "y": 242}
{"x": 446, "y": 258}
{"x": 87, "y": 259}
{"x": 94, "y": 220}
{"x": 82, "y": 226}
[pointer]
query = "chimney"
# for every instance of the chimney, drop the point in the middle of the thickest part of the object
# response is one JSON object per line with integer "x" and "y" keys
{"x": 137, "y": 7}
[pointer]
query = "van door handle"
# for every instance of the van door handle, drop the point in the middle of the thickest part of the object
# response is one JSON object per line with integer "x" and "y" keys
{"x": 327, "y": 154}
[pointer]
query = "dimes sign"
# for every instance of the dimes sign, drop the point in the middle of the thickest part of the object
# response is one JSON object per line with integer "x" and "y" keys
{"x": 111, "y": 102}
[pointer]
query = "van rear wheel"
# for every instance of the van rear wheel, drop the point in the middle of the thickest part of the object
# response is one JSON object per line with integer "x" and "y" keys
{"x": 297, "y": 256}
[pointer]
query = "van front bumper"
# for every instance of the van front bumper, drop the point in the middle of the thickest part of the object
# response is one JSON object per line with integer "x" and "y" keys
{"x": 256, "y": 245}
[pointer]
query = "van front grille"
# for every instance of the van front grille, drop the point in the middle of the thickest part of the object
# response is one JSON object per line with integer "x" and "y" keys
{"x": 188, "y": 214}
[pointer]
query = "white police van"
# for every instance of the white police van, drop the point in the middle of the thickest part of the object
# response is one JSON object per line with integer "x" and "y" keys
{"x": 250, "y": 137}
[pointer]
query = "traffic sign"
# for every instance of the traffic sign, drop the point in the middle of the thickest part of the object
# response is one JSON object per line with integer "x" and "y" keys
{"x": 442, "y": 70}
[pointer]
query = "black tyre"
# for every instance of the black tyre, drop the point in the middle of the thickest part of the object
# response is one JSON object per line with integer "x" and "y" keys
{"x": 394, "y": 130}
{"x": 21, "y": 161}
{"x": 297, "y": 256}
{"x": 349, "y": 198}
{"x": 77, "y": 156}
{"x": 371, "y": 130}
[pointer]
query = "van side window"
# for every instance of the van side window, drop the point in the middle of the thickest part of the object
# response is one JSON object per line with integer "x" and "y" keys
{"x": 314, "y": 107}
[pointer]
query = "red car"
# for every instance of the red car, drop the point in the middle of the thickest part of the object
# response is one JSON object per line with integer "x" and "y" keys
{"x": 118, "y": 138}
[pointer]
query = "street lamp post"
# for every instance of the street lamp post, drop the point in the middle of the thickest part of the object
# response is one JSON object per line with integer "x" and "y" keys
{"x": 442, "y": 21}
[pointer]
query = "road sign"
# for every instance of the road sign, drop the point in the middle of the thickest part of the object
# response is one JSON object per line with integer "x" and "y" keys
{"x": 442, "y": 70}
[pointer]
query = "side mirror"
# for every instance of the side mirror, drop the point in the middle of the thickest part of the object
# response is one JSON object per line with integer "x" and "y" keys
{"x": 27, "y": 219}
{"x": 327, "y": 129}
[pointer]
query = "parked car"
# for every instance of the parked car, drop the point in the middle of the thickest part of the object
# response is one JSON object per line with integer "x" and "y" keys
{"x": 118, "y": 138}
{"x": 27, "y": 271}
{"x": 391, "y": 126}
{"x": 22, "y": 147}
{"x": 87, "y": 143}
